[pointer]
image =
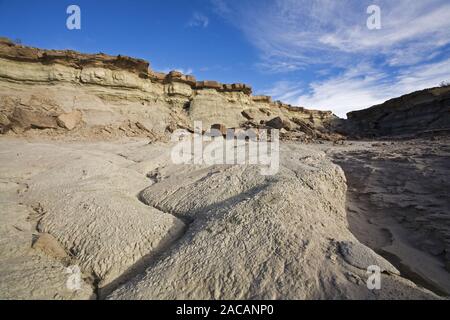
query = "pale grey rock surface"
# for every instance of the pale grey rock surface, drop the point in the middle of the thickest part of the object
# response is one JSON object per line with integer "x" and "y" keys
{"x": 90, "y": 205}
{"x": 398, "y": 203}
{"x": 27, "y": 273}
{"x": 141, "y": 227}
{"x": 256, "y": 237}
{"x": 360, "y": 256}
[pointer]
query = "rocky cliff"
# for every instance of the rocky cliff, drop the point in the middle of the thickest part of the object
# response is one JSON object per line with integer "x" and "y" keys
{"x": 54, "y": 92}
{"x": 419, "y": 112}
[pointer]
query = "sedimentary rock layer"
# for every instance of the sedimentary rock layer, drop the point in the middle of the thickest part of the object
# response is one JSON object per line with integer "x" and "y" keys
{"x": 117, "y": 95}
{"x": 421, "y": 111}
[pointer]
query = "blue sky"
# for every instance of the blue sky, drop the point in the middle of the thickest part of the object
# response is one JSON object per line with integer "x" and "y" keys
{"x": 314, "y": 53}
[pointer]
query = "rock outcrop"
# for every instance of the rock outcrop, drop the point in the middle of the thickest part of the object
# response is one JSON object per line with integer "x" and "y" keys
{"x": 139, "y": 226}
{"x": 418, "y": 112}
{"x": 63, "y": 90}
{"x": 256, "y": 237}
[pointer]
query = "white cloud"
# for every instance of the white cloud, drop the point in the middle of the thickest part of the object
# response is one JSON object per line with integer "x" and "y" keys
{"x": 361, "y": 87}
{"x": 198, "y": 20}
{"x": 408, "y": 53}
{"x": 292, "y": 34}
{"x": 285, "y": 91}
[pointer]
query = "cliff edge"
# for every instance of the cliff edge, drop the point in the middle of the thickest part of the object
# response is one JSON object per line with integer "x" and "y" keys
{"x": 56, "y": 92}
{"x": 418, "y": 112}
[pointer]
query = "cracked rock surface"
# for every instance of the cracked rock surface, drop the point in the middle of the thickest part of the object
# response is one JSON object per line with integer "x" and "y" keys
{"x": 89, "y": 204}
{"x": 141, "y": 227}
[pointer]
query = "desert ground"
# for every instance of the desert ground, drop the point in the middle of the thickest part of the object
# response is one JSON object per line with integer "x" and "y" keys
{"x": 140, "y": 227}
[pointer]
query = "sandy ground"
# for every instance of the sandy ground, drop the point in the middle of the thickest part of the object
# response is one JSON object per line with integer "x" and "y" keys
{"x": 140, "y": 227}
{"x": 398, "y": 204}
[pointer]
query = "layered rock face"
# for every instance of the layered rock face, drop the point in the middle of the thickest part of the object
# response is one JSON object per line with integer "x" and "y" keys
{"x": 421, "y": 111}
{"x": 61, "y": 91}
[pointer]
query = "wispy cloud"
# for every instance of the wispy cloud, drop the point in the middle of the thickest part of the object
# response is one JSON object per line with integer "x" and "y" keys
{"x": 198, "y": 19}
{"x": 286, "y": 91}
{"x": 409, "y": 52}
{"x": 292, "y": 34}
{"x": 361, "y": 87}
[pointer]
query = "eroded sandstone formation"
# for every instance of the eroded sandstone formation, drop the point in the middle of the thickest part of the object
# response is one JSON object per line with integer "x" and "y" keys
{"x": 419, "y": 112}
{"x": 99, "y": 94}
{"x": 140, "y": 227}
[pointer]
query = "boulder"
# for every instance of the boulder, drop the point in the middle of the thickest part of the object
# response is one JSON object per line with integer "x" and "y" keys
{"x": 262, "y": 99}
{"x": 242, "y": 87}
{"x": 174, "y": 75}
{"x": 278, "y": 123}
{"x": 69, "y": 120}
{"x": 28, "y": 119}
